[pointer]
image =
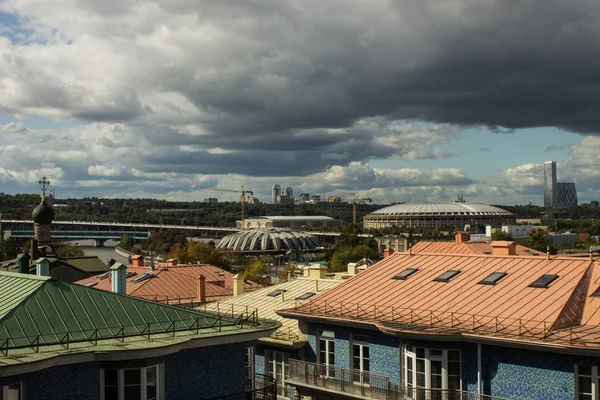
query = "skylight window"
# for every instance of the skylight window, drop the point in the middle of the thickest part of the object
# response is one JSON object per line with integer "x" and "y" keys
{"x": 493, "y": 278}
{"x": 543, "y": 281}
{"x": 405, "y": 274}
{"x": 276, "y": 293}
{"x": 533, "y": 253}
{"x": 596, "y": 292}
{"x": 446, "y": 276}
{"x": 305, "y": 296}
{"x": 104, "y": 275}
{"x": 142, "y": 277}
{"x": 90, "y": 284}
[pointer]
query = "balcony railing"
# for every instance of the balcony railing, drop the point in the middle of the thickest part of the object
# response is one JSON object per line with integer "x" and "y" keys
{"x": 263, "y": 388}
{"x": 318, "y": 377}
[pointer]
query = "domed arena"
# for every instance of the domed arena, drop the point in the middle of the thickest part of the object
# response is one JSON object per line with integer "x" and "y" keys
{"x": 269, "y": 240}
{"x": 437, "y": 215}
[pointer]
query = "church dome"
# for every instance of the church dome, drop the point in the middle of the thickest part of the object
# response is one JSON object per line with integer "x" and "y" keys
{"x": 43, "y": 214}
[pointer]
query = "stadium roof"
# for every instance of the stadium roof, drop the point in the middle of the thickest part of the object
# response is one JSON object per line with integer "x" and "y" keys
{"x": 269, "y": 239}
{"x": 450, "y": 208}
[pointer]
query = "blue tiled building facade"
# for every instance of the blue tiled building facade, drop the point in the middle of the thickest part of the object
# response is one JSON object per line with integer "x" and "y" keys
{"x": 506, "y": 371}
{"x": 199, "y": 373}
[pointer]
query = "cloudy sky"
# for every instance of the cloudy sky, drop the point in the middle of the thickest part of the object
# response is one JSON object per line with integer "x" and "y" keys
{"x": 398, "y": 100}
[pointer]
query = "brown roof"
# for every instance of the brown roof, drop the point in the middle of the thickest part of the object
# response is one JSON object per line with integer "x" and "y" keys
{"x": 176, "y": 283}
{"x": 468, "y": 248}
{"x": 510, "y": 308}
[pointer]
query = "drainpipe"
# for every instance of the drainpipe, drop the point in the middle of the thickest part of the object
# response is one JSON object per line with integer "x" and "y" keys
{"x": 479, "y": 370}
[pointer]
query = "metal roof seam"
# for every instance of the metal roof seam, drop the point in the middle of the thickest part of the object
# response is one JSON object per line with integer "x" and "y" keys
{"x": 70, "y": 310}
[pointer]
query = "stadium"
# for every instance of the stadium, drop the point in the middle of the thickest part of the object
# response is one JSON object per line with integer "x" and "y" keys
{"x": 437, "y": 216}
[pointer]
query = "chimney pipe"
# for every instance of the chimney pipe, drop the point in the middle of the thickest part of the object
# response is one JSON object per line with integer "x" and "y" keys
{"x": 547, "y": 252}
{"x": 316, "y": 285}
{"x": 238, "y": 284}
{"x": 43, "y": 267}
{"x": 23, "y": 263}
{"x": 118, "y": 276}
{"x": 387, "y": 252}
{"x": 282, "y": 296}
{"x": 202, "y": 289}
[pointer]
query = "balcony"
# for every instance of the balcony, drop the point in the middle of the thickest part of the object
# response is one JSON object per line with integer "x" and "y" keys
{"x": 311, "y": 379}
{"x": 264, "y": 388}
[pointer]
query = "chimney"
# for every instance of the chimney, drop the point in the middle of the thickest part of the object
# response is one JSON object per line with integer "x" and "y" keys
{"x": 317, "y": 271}
{"x": 387, "y": 252}
{"x": 43, "y": 267}
{"x": 547, "y": 252}
{"x": 23, "y": 263}
{"x": 118, "y": 276}
{"x": 202, "y": 289}
{"x": 352, "y": 270}
{"x": 316, "y": 286}
{"x": 171, "y": 262}
{"x": 34, "y": 249}
{"x": 462, "y": 237}
{"x": 504, "y": 248}
{"x": 137, "y": 261}
{"x": 238, "y": 284}
{"x": 283, "y": 296}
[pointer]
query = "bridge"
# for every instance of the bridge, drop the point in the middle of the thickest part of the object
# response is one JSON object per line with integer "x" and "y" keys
{"x": 102, "y": 231}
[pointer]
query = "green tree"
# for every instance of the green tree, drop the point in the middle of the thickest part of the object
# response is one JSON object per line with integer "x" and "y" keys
{"x": 255, "y": 272}
{"x": 539, "y": 239}
{"x": 501, "y": 235}
{"x": 163, "y": 241}
{"x": 9, "y": 249}
{"x": 126, "y": 242}
{"x": 67, "y": 250}
{"x": 290, "y": 268}
{"x": 200, "y": 253}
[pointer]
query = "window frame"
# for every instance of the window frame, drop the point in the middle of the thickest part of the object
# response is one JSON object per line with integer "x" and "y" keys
{"x": 271, "y": 370}
{"x": 329, "y": 338}
{"x": 410, "y": 358}
{"x": 6, "y": 388}
{"x": 143, "y": 381}
{"x": 362, "y": 343}
{"x": 595, "y": 382}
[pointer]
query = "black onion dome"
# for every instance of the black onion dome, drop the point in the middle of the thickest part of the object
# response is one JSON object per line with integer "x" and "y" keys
{"x": 43, "y": 214}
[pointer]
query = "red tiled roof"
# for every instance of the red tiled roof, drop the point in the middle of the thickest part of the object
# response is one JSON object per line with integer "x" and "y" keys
{"x": 463, "y": 305}
{"x": 176, "y": 282}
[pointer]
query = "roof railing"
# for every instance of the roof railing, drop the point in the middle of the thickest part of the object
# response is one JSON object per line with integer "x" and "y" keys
{"x": 448, "y": 322}
{"x": 200, "y": 325}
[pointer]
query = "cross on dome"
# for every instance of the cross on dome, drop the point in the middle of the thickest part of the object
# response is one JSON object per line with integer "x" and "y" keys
{"x": 44, "y": 182}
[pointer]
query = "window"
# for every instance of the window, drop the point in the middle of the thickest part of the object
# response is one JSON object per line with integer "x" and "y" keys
{"x": 305, "y": 296}
{"x": 587, "y": 383}
{"x": 249, "y": 366}
{"x": 142, "y": 277}
{"x": 544, "y": 281}
{"x": 405, "y": 274}
{"x": 493, "y": 278}
{"x": 131, "y": 383}
{"x": 446, "y": 276}
{"x": 11, "y": 392}
{"x": 596, "y": 292}
{"x": 326, "y": 351}
{"x": 278, "y": 367}
{"x": 435, "y": 370}
{"x": 275, "y": 293}
{"x": 360, "y": 359}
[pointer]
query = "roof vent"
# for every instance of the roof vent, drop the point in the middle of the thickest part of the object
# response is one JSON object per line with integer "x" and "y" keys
{"x": 446, "y": 276}
{"x": 544, "y": 281}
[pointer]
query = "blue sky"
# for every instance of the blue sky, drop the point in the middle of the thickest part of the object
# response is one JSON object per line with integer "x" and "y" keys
{"x": 160, "y": 99}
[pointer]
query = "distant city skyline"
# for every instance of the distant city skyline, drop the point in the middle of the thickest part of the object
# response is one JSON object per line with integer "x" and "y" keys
{"x": 160, "y": 99}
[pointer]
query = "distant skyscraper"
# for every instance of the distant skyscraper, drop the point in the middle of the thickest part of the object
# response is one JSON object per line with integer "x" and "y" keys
{"x": 549, "y": 184}
{"x": 275, "y": 192}
{"x": 557, "y": 194}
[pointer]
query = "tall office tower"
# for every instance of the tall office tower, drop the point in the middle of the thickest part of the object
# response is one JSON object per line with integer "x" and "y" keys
{"x": 549, "y": 184}
{"x": 566, "y": 194}
{"x": 275, "y": 192}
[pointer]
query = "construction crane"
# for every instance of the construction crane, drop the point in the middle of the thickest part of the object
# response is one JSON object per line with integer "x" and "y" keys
{"x": 354, "y": 199}
{"x": 242, "y": 198}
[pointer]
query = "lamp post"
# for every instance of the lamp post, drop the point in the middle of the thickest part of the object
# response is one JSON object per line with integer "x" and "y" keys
{"x": 1, "y": 234}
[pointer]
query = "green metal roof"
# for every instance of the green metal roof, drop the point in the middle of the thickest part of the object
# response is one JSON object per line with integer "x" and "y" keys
{"x": 41, "y": 311}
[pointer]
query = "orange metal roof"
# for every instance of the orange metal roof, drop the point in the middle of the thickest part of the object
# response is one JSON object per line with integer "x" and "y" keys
{"x": 510, "y": 307}
{"x": 468, "y": 248}
{"x": 176, "y": 282}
